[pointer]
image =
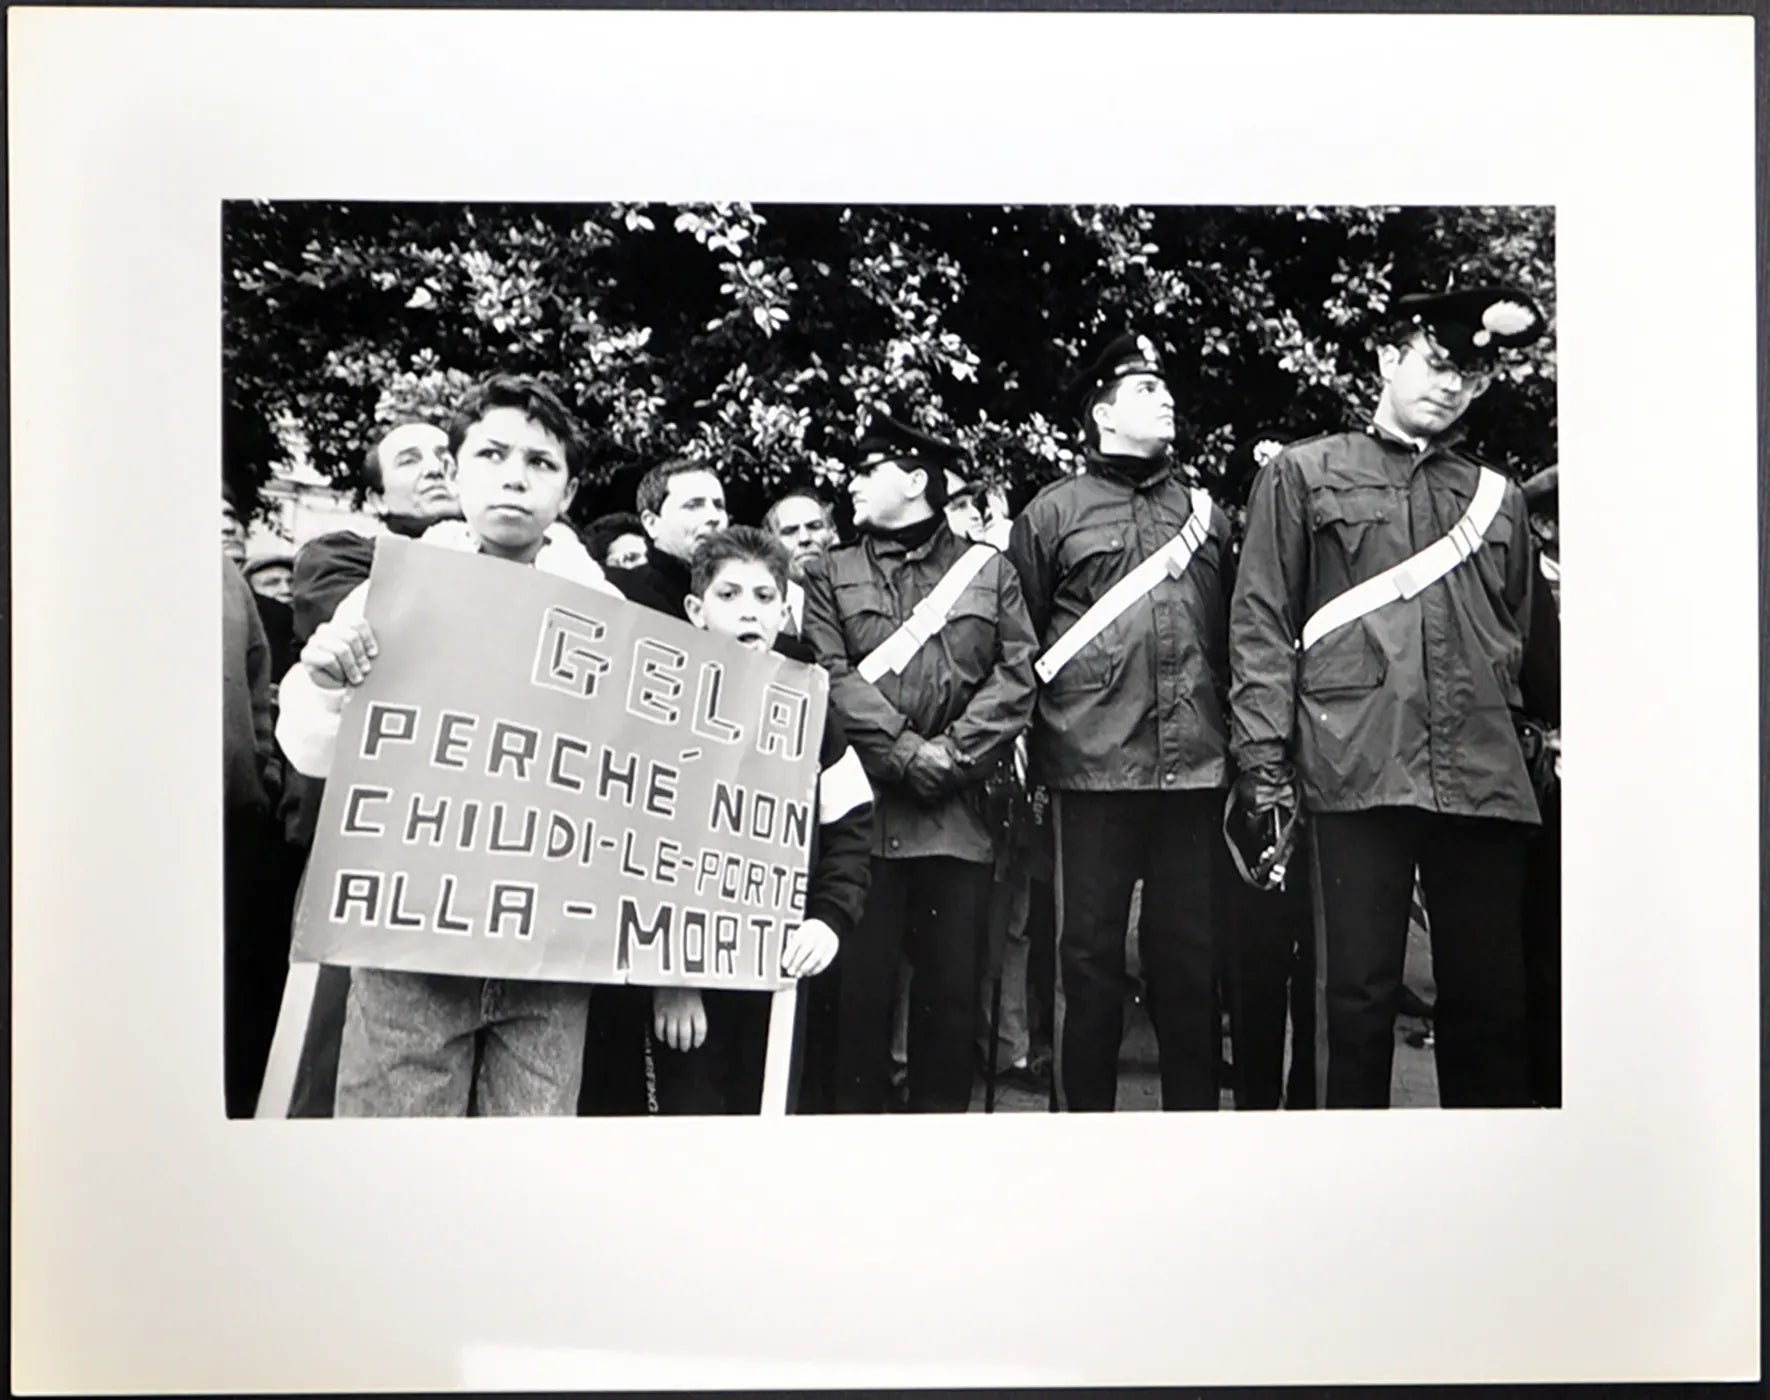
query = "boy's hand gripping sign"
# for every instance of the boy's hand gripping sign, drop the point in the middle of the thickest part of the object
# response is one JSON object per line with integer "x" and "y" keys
{"x": 540, "y": 781}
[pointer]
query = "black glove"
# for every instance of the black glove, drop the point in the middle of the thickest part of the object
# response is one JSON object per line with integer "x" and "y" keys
{"x": 1259, "y": 823}
{"x": 1262, "y": 790}
{"x": 932, "y": 774}
{"x": 1541, "y": 748}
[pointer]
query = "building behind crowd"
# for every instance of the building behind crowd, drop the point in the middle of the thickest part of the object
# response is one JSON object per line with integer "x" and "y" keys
{"x": 301, "y": 504}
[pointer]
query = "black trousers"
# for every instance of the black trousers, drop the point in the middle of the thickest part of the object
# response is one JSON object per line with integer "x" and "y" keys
{"x": 724, "y": 1073}
{"x": 930, "y": 909}
{"x": 1472, "y": 875}
{"x": 1542, "y": 956}
{"x": 1106, "y": 842}
{"x": 258, "y": 892}
{"x": 316, "y": 1072}
{"x": 615, "y": 1082}
{"x": 1267, "y": 945}
{"x": 1041, "y": 960}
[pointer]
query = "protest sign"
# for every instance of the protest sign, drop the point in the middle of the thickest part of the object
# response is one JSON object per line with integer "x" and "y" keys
{"x": 537, "y": 780}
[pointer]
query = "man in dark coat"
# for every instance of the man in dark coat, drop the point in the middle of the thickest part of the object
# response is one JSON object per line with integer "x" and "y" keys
{"x": 1380, "y": 623}
{"x": 406, "y": 472}
{"x": 1126, "y": 575}
{"x": 680, "y": 504}
{"x": 929, "y": 651}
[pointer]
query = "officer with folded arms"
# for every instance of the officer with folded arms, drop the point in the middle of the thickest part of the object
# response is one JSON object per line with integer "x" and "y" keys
{"x": 929, "y": 652}
{"x": 1125, "y": 569}
{"x": 1378, "y": 633}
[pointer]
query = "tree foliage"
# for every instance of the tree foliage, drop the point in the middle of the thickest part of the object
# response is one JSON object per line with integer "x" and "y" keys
{"x": 757, "y": 336}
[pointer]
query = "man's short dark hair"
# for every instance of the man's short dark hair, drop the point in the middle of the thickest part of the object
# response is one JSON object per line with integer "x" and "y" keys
{"x": 654, "y": 486}
{"x": 605, "y": 530}
{"x": 530, "y": 397}
{"x": 1108, "y": 393}
{"x": 373, "y": 482}
{"x": 798, "y": 493}
{"x": 741, "y": 542}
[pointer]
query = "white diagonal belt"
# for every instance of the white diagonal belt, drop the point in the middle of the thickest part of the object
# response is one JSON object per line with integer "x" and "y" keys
{"x": 1169, "y": 561}
{"x": 926, "y": 618}
{"x": 1417, "y": 572}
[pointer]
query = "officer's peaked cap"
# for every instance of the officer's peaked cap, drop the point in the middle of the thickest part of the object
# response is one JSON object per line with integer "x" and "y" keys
{"x": 887, "y": 440}
{"x": 1473, "y": 325}
{"x": 1124, "y": 355}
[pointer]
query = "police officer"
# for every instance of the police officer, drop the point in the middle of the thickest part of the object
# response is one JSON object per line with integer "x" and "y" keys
{"x": 1379, "y": 626}
{"x": 929, "y": 652}
{"x": 1125, "y": 572}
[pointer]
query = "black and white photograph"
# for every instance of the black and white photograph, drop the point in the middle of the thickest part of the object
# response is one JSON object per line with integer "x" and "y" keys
{"x": 1197, "y": 563}
{"x": 930, "y": 651}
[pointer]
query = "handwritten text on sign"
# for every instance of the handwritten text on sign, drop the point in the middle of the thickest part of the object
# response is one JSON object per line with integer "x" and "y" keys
{"x": 537, "y": 780}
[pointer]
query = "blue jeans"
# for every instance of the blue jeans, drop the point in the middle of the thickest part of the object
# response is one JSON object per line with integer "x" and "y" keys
{"x": 420, "y": 1044}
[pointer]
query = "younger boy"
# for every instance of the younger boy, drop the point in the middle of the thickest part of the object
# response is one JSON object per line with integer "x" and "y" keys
{"x": 426, "y": 1044}
{"x": 709, "y": 1045}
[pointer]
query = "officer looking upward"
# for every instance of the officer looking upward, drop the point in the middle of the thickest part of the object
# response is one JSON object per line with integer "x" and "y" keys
{"x": 1125, "y": 573}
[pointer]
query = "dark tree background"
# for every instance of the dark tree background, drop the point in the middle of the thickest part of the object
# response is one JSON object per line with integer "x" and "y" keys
{"x": 756, "y": 336}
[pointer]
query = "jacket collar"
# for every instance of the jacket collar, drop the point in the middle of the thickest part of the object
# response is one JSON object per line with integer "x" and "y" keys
{"x": 1134, "y": 472}
{"x": 1449, "y": 438}
{"x": 885, "y": 545}
{"x": 672, "y": 570}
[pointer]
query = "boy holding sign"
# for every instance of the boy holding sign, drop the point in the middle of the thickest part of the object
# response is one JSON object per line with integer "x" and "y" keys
{"x": 709, "y": 1044}
{"x": 423, "y": 1044}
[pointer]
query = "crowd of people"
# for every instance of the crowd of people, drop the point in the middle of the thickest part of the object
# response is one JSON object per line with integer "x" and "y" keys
{"x": 1114, "y": 717}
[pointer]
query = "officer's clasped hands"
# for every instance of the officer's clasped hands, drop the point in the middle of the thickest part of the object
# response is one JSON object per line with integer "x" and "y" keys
{"x": 933, "y": 772}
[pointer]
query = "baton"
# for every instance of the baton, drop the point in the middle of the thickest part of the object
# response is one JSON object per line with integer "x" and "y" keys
{"x": 1272, "y": 859}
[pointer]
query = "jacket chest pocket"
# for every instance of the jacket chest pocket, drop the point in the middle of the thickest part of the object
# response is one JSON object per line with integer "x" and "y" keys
{"x": 868, "y": 616}
{"x": 1093, "y": 560}
{"x": 1094, "y": 556}
{"x": 1347, "y": 518}
{"x": 1345, "y": 662}
{"x": 970, "y": 634}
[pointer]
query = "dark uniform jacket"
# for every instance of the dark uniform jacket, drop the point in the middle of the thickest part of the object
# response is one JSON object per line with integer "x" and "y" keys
{"x": 1412, "y": 705}
{"x": 1141, "y": 706}
{"x": 972, "y": 683}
